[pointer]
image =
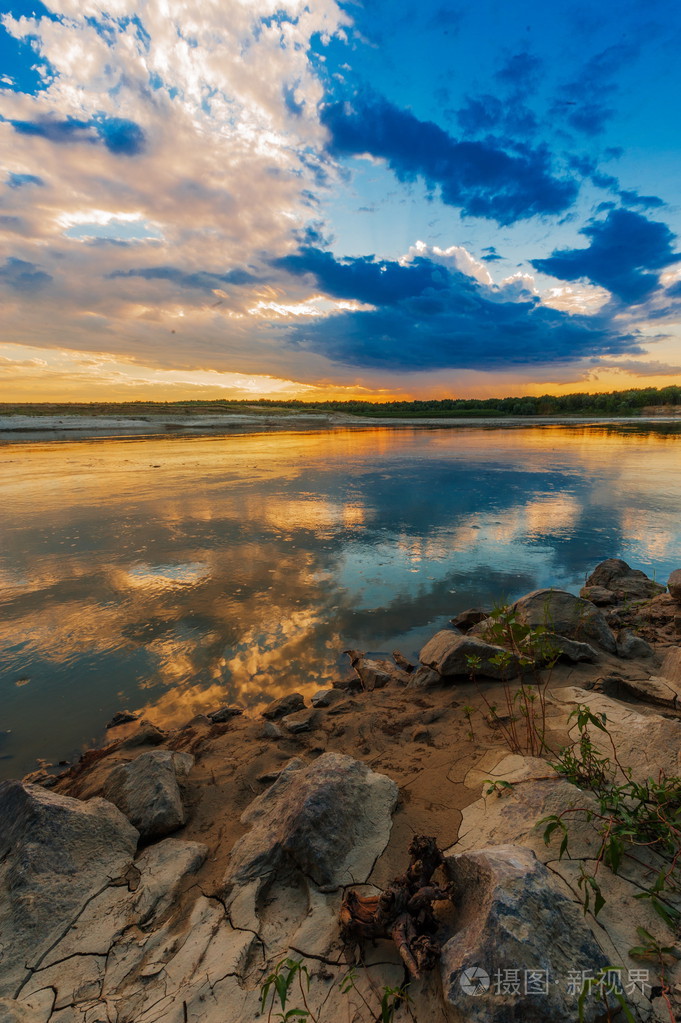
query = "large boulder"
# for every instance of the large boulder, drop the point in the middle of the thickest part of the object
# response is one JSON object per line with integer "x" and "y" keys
{"x": 56, "y": 853}
{"x": 147, "y": 791}
{"x": 452, "y": 655}
{"x": 515, "y": 923}
{"x": 330, "y": 819}
{"x": 563, "y": 613}
{"x": 624, "y": 582}
{"x": 288, "y": 704}
{"x": 375, "y": 672}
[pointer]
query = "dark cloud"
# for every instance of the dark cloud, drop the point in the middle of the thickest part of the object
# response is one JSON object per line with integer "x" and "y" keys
{"x": 480, "y": 177}
{"x": 585, "y": 101}
{"x": 21, "y": 180}
{"x": 201, "y": 280}
{"x": 481, "y": 114}
{"x": 521, "y": 71}
{"x": 120, "y": 136}
{"x": 645, "y": 202}
{"x": 431, "y": 317}
{"x": 625, "y": 252}
{"x": 22, "y": 276}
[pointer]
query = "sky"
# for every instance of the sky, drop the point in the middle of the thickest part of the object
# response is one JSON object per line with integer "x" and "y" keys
{"x": 321, "y": 199}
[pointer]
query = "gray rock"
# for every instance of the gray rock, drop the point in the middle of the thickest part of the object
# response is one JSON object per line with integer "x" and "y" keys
{"x": 55, "y": 854}
{"x": 301, "y": 721}
{"x": 512, "y": 916}
{"x": 598, "y": 595}
{"x": 376, "y": 673}
{"x": 630, "y": 646}
{"x": 122, "y": 717}
{"x": 567, "y": 615}
{"x": 448, "y": 653}
{"x": 625, "y": 582}
{"x": 147, "y": 792}
{"x": 327, "y": 697}
{"x": 270, "y": 731}
{"x": 286, "y": 705}
{"x": 674, "y": 584}
{"x": 146, "y": 735}
{"x": 467, "y": 619}
{"x": 657, "y": 690}
{"x": 550, "y": 645}
{"x": 425, "y": 678}
{"x": 330, "y": 819}
{"x": 224, "y": 714}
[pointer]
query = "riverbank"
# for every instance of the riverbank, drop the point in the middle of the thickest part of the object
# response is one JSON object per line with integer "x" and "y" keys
{"x": 18, "y": 427}
{"x": 104, "y": 917}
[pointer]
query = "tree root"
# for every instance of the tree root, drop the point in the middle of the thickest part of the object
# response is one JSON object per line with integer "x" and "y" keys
{"x": 403, "y": 912}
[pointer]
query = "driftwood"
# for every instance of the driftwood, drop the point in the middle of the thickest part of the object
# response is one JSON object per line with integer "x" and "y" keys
{"x": 402, "y": 912}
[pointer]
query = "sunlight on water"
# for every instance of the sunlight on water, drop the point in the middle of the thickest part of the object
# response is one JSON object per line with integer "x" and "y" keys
{"x": 174, "y": 575}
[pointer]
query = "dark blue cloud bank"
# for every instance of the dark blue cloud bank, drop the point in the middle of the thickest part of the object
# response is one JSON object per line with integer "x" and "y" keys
{"x": 495, "y": 179}
{"x": 200, "y": 280}
{"x": 431, "y": 317}
{"x": 120, "y": 136}
{"x": 23, "y": 277}
{"x": 626, "y": 253}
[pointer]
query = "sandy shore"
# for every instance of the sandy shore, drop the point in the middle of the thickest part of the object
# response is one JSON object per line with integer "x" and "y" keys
{"x": 21, "y": 428}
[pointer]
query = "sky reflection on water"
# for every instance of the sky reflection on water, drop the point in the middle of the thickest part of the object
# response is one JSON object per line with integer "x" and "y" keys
{"x": 176, "y": 575}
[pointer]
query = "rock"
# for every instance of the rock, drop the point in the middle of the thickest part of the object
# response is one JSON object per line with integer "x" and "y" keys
{"x": 467, "y": 619}
{"x": 147, "y": 792}
{"x": 331, "y": 819}
{"x": 424, "y": 678}
{"x": 671, "y": 665}
{"x": 12, "y": 1011}
{"x": 286, "y": 705}
{"x": 652, "y": 690}
{"x": 515, "y": 923}
{"x": 301, "y": 721}
{"x": 375, "y": 673}
{"x": 598, "y": 595}
{"x": 327, "y": 697}
{"x": 674, "y": 584}
{"x": 646, "y": 742}
{"x": 448, "y": 653}
{"x": 40, "y": 777}
{"x": 626, "y": 583}
{"x": 631, "y": 646}
{"x": 55, "y": 854}
{"x": 147, "y": 734}
{"x": 224, "y": 714}
{"x": 567, "y": 615}
{"x": 423, "y": 735}
{"x": 270, "y": 731}
{"x": 122, "y": 717}
{"x": 550, "y": 645}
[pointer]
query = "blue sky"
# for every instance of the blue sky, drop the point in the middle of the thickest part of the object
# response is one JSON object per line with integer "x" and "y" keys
{"x": 383, "y": 199}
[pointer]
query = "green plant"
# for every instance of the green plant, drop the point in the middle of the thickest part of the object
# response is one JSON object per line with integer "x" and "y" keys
{"x": 280, "y": 982}
{"x": 389, "y": 999}
{"x": 469, "y": 711}
{"x": 599, "y": 982}
{"x": 497, "y": 787}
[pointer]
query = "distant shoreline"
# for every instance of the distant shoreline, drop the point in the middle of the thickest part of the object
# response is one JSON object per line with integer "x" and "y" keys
{"x": 18, "y": 428}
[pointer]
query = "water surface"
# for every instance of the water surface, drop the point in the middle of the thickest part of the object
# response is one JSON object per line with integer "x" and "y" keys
{"x": 174, "y": 575}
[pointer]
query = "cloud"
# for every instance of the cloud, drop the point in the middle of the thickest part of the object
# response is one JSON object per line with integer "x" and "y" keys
{"x": 120, "y": 136}
{"x": 22, "y": 276}
{"x": 21, "y": 180}
{"x": 444, "y": 319}
{"x": 202, "y": 280}
{"x": 482, "y": 178}
{"x": 587, "y": 108}
{"x": 625, "y": 253}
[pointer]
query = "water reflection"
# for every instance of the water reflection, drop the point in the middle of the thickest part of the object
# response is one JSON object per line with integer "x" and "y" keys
{"x": 174, "y": 575}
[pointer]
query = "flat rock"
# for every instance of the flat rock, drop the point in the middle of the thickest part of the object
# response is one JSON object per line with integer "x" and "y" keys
{"x": 513, "y": 916}
{"x": 655, "y": 689}
{"x": 218, "y": 717}
{"x": 674, "y": 584}
{"x": 55, "y": 854}
{"x": 122, "y": 717}
{"x": 625, "y": 582}
{"x": 147, "y": 734}
{"x": 146, "y": 790}
{"x": 285, "y": 705}
{"x": 301, "y": 721}
{"x": 671, "y": 665}
{"x": 449, "y": 654}
{"x": 598, "y": 595}
{"x": 376, "y": 673}
{"x": 327, "y": 697}
{"x": 563, "y": 613}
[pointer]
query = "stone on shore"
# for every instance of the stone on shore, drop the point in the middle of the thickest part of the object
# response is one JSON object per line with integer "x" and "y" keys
{"x": 674, "y": 584}
{"x": 563, "y": 613}
{"x": 218, "y": 717}
{"x": 468, "y": 618}
{"x": 624, "y": 582}
{"x": 630, "y": 646}
{"x": 286, "y": 705}
{"x": 301, "y": 721}
{"x": 147, "y": 791}
{"x": 598, "y": 595}
{"x": 327, "y": 697}
{"x": 513, "y": 916}
{"x": 56, "y": 853}
{"x": 450, "y": 654}
{"x": 376, "y": 673}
